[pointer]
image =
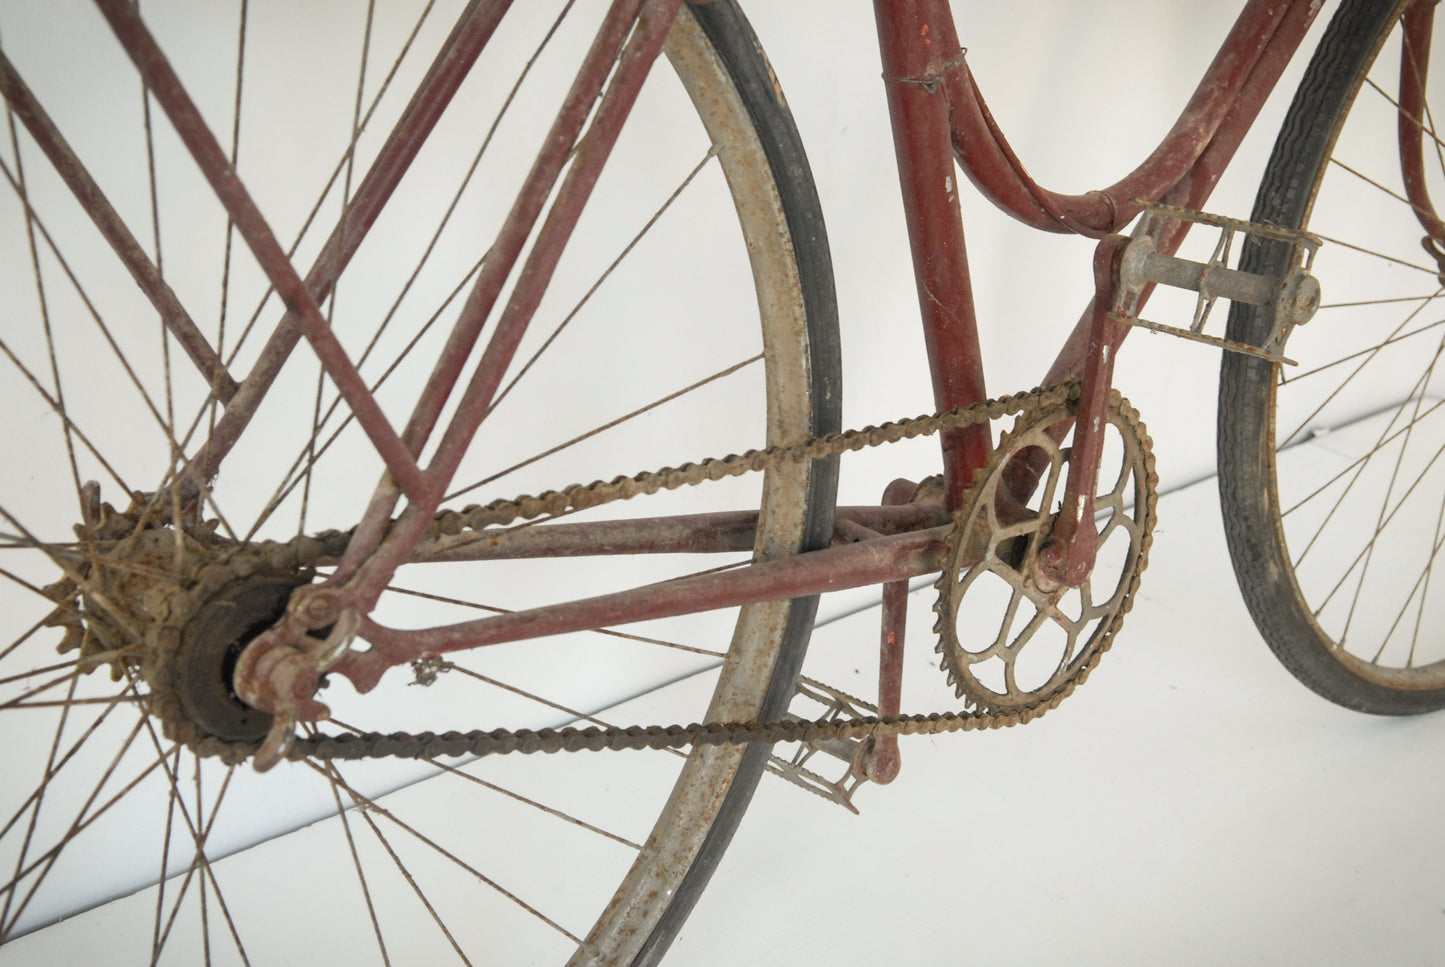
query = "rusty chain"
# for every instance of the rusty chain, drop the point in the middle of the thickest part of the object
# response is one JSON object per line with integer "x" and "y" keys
{"x": 301, "y": 555}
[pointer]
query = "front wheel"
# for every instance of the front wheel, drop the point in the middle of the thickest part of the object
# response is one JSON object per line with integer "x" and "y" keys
{"x": 1331, "y": 474}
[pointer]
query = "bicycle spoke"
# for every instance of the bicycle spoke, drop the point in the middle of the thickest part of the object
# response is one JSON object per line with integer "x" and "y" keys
{"x": 39, "y": 800}
{"x": 1370, "y": 356}
{"x": 146, "y": 273}
{"x": 172, "y": 794}
{"x": 342, "y": 815}
{"x": 1425, "y": 124}
{"x": 218, "y": 377}
{"x": 570, "y": 134}
{"x": 35, "y": 796}
{"x": 365, "y": 807}
{"x": 78, "y": 825}
{"x": 335, "y": 270}
{"x": 1389, "y": 191}
{"x": 1390, "y": 489}
{"x": 1368, "y": 548}
{"x": 1420, "y": 588}
{"x": 461, "y": 189}
{"x": 44, "y": 305}
{"x": 1356, "y": 464}
{"x": 1432, "y": 272}
{"x": 471, "y": 34}
{"x": 92, "y": 311}
{"x": 336, "y": 172}
{"x": 1378, "y": 302}
{"x": 305, "y": 461}
{"x": 67, "y": 425}
{"x": 1428, "y": 131}
{"x": 369, "y": 807}
{"x": 1355, "y": 470}
{"x": 1424, "y": 584}
{"x": 606, "y": 273}
{"x": 1393, "y": 340}
{"x": 199, "y": 830}
{"x": 70, "y": 702}
{"x": 309, "y": 459}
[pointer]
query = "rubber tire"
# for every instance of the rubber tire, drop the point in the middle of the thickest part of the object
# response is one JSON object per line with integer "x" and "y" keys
{"x": 1246, "y": 416}
{"x": 742, "y": 56}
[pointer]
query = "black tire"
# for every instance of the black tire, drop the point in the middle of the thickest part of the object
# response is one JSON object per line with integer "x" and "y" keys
{"x": 1333, "y": 543}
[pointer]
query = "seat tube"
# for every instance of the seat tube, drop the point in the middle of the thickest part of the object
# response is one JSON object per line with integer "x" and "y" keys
{"x": 919, "y": 46}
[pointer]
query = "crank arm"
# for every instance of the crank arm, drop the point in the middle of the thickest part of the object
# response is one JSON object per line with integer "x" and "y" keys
{"x": 1067, "y": 556}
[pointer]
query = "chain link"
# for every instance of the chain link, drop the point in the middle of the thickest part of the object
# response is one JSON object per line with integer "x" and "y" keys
{"x": 304, "y": 552}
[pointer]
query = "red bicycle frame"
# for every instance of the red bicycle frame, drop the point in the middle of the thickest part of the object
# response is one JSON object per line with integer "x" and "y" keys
{"x": 940, "y": 123}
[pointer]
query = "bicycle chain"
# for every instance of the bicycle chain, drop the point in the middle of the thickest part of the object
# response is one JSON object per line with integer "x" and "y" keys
{"x": 303, "y": 553}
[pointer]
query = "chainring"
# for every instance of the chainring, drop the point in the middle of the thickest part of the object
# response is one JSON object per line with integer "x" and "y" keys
{"x": 1006, "y": 644}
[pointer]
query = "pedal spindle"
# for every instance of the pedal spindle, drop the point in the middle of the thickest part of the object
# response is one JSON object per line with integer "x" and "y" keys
{"x": 1295, "y": 296}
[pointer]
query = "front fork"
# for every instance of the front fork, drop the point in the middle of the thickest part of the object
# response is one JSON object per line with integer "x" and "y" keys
{"x": 1418, "y": 23}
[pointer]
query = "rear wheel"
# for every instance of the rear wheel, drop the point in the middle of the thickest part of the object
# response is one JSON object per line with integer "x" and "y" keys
{"x": 692, "y": 316}
{"x": 1331, "y": 474}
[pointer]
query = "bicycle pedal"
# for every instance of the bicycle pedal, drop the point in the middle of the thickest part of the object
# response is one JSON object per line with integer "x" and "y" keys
{"x": 1295, "y": 295}
{"x": 821, "y": 701}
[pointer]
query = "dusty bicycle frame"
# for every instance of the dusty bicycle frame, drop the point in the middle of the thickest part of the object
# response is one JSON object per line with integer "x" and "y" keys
{"x": 940, "y": 122}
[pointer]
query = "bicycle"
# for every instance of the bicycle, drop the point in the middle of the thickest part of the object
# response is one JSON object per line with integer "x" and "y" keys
{"x": 176, "y": 600}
